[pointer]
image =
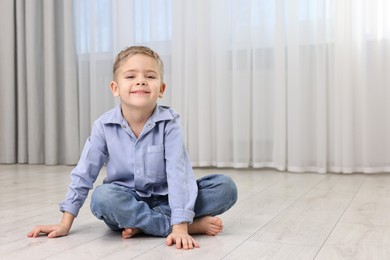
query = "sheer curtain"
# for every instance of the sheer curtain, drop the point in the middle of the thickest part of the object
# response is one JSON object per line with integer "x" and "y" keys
{"x": 294, "y": 85}
{"x": 38, "y": 82}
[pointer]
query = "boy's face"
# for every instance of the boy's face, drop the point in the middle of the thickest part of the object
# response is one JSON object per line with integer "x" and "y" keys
{"x": 138, "y": 82}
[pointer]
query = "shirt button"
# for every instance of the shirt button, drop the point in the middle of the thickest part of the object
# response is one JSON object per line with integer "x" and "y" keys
{"x": 123, "y": 126}
{"x": 149, "y": 125}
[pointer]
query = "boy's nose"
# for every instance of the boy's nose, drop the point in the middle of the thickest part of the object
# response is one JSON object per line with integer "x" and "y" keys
{"x": 142, "y": 83}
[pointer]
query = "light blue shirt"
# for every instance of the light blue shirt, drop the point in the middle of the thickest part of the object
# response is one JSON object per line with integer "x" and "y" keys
{"x": 155, "y": 163}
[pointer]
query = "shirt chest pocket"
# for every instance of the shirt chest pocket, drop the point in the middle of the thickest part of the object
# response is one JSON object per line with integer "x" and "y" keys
{"x": 155, "y": 164}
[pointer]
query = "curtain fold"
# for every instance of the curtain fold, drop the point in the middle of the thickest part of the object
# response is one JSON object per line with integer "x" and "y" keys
{"x": 39, "y": 115}
{"x": 7, "y": 82}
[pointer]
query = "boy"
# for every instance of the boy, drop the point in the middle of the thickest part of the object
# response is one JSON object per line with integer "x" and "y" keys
{"x": 150, "y": 186}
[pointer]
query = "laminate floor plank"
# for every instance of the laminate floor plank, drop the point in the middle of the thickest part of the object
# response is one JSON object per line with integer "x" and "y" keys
{"x": 364, "y": 230}
{"x": 310, "y": 220}
{"x": 263, "y": 250}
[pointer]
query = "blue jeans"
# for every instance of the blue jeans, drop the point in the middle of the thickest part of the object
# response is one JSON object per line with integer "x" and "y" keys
{"x": 120, "y": 207}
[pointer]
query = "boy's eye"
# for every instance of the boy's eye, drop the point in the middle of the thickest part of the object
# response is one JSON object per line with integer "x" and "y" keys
{"x": 130, "y": 77}
{"x": 151, "y": 77}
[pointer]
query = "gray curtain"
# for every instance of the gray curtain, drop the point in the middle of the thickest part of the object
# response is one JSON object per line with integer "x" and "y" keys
{"x": 38, "y": 82}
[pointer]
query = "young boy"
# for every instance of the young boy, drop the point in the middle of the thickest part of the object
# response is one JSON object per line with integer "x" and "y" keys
{"x": 150, "y": 186}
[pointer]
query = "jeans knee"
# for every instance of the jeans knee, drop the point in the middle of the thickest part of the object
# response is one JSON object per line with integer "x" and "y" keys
{"x": 100, "y": 199}
{"x": 229, "y": 188}
{"x": 225, "y": 188}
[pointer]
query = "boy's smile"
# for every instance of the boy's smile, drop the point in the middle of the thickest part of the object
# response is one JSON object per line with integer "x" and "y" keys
{"x": 140, "y": 92}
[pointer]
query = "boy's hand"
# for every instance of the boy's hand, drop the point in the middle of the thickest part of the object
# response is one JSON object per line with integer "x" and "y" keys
{"x": 58, "y": 230}
{"x": 181, "y": 238}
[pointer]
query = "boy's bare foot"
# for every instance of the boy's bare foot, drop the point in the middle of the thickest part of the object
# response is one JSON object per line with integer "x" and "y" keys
{"x": 206, "y": 225}
{"x": 130, "y": 232}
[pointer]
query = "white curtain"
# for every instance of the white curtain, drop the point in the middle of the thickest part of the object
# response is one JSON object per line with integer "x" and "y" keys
{"x": 294, "y": 85}
{"x": 38, "y": 82}
{"x": 298, "y": 85}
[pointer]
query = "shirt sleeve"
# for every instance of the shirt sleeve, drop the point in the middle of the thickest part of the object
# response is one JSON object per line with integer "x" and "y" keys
{"x": 83, "y": 176}
{"x": 182, "y": 187}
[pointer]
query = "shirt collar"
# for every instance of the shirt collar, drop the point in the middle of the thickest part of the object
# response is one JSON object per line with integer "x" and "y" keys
{"x": 160, "y": 113}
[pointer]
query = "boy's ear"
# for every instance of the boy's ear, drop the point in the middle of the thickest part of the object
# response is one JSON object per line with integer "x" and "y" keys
{"x": 162, "y": 90}
{"x": 114, "y": 88}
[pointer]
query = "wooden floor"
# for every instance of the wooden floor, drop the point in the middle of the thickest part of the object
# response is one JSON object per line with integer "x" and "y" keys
{"x": 278, "y": 216}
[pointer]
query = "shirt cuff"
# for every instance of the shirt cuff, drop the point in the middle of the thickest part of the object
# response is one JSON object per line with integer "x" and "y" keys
{"x": 72, "y": 209}
{"x": 181, "y": 215}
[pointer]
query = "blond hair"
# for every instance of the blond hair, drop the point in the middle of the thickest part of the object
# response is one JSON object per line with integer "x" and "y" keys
{"x": 132, "y": 50}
